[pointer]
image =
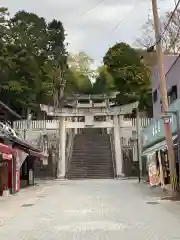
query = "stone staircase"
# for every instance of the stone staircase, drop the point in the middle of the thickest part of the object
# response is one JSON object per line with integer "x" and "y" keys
{"x": 91, "y": 157}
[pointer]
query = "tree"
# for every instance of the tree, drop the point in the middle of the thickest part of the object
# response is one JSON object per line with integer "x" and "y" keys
{"x": 104, "y": 82}
{"x": 80, "y": 67}
{"x": 171, "y": 37}
{"x": 131, "y": 77}
{"x": 81, "y": 62}
{"x": 31, "y": 50}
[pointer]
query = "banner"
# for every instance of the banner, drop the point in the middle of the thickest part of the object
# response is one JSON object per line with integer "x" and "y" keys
{"x": 17, "y": 181}
{"x": 20, "y": 158}
{"x": 154, "y": 175}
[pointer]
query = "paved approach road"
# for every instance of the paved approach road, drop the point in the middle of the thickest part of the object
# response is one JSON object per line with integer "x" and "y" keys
{"x": 90, "y": 209}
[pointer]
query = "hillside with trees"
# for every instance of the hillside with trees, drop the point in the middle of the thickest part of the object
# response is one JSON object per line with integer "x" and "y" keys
{"x": 34, "y": 58}
{"x": 31, "y": 48}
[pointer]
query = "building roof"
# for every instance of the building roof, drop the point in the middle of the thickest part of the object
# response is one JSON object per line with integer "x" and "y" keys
{"x": 168, "y": 62}
{"x": 5, "y": 108}
{"x": 92, "y": 96}
{"x": 21, "y": 142}
{"x": 173, "y": 64}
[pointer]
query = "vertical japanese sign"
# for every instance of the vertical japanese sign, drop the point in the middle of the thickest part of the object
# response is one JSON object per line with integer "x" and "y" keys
{"x": 17, "y": 181}
{"x": 154, "y": 177}
{"x": 20, "y": 158}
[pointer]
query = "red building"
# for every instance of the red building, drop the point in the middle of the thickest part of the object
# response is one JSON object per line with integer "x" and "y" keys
{"x": 16, "y": 156}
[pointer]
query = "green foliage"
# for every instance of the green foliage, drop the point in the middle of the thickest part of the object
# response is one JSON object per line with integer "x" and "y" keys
{"x": 30, "y": 51}
{"x": 131, "y": 77}
{"x": 34, "y": 59}
{"x": 81, "y": 72}
{"x": 104, "y": 82}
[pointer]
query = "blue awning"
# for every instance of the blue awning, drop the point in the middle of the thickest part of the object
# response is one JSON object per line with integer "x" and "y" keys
{"x": 156, "y": 147}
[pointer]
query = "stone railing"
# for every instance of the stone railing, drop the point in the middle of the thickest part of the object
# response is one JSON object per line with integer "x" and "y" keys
{"x": 35, "y": 124}
{"x": 144, "y": 121}
{"x": 53, "y": 124}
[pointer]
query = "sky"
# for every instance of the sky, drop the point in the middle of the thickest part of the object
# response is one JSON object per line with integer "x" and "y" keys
{"x": 93, "y": 25}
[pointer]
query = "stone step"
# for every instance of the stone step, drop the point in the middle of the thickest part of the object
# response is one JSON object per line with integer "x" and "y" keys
{"x": 90, "y": 161}
{"x": 90, "y": 153}
{"x": 76, "y": 177}
{"x": 96, "y": 157}
{"x": 89, "y": 171}
{"x": 91, "y": 157}
{"x": 85, "y": 147}
{"x": 96, "y": 167}
{"x": 89, "y": 143}
{"x": 90, "y": 139}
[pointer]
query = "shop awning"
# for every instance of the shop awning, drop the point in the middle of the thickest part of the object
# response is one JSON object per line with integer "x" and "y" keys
{"x": 40, "y": 155}
{"x": 6, "y": 152}
{"x": 6, "y": 149}
{"x": 156, "y": 147}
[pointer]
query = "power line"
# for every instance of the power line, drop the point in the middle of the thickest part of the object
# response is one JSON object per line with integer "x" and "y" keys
{"x": 177, "y": 35}
{"x": 92, "y": 7}
{"x": 122, "y": 20}
{"x": 171, "y": 17}
{"x": 88, "y": 10}
{"x": 167, "y": 25}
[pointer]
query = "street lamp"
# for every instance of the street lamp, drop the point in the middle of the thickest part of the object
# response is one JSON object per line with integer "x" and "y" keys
{"x": 134, "y": 142}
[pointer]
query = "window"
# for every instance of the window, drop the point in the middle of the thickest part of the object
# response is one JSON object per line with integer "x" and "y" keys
{"x": 155, "y": 96}
{"x": 172, "y": 94}
{"x": 83, "y": 101}
{"x": 98, "y": 101}
{"x": 161, "y": 108}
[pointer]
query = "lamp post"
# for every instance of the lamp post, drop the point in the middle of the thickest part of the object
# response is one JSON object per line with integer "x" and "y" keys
{"x": 134, "y": 141}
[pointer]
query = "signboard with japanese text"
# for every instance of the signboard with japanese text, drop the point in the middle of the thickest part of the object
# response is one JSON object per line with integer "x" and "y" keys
{"x": 155, "y": 131}
{"x": 154, "y": 174}
{"x": 20, "y": 157}
{"x": 17, "y": 181}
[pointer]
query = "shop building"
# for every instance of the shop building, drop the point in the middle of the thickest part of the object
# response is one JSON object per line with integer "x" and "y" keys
{"x": 17, "y": 163}
{"x": 17, "y": 156}
{"x": 172, "y": 71}
{"x": 154, "y": 148}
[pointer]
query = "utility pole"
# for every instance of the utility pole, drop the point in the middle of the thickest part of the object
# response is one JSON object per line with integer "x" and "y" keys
{"x": 167, "y": 123}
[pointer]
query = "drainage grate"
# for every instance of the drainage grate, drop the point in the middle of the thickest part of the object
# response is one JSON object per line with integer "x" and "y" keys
{"x": 152, "y": 203}
{"x": 27, "y": 205}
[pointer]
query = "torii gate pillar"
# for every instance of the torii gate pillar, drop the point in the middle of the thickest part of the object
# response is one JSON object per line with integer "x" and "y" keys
{"x": 118, "y": 150}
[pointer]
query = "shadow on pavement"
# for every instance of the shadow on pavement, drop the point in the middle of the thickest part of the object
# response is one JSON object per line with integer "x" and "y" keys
{"x": 157, "y": 192}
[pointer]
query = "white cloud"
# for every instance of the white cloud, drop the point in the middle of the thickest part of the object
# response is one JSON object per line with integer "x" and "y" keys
{"x": 92, "y": 28}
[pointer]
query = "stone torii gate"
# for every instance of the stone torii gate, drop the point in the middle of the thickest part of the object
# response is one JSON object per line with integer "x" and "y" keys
{"x": 82, "y": 112}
